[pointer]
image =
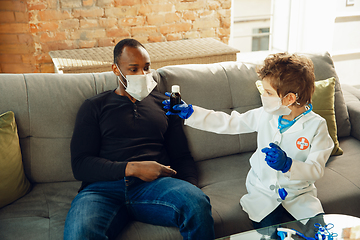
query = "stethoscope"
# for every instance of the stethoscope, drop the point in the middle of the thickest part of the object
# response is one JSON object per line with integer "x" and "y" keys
{"x": 277, "y": 188}
{"x": 280, "y": 190}
{"x": 282, "y": 193}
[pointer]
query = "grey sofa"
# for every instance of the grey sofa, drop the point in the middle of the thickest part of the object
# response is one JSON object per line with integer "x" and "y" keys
{"x": 46, "y": 105}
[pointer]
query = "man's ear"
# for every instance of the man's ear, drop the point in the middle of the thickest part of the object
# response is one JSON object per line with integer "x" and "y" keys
{"x": 115, "y": 69}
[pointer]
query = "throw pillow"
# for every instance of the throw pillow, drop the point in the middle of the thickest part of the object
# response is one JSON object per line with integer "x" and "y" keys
{"x": 323, "y": 104}
{"x": 13, "y": 182}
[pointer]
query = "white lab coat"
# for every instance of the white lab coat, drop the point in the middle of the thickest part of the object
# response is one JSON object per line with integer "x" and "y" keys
{"x": 307, "y": 143}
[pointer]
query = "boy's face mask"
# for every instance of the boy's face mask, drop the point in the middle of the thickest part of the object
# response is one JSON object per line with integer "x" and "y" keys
{"x": 138, "y": 86}
{"x": 273, "y": 105}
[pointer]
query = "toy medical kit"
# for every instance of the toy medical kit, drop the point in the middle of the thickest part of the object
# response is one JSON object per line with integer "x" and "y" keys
{"x": 322, "y": 233}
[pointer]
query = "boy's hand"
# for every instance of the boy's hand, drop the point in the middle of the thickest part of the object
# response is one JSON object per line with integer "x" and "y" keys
{"x": 185, "y": 110}
{"x": 276, "y": 158}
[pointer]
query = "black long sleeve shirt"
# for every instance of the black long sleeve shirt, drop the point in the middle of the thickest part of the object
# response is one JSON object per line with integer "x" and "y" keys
{"x": 111, "y": 131}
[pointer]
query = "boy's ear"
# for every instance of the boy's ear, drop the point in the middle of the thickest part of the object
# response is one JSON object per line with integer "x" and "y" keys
{"x": 260, "y": 87}
{"x": 291, "y": 97}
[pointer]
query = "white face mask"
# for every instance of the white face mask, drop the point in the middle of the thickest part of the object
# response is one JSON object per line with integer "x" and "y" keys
{"x": 138, "y": 86}
{"x": 273, "y": 105}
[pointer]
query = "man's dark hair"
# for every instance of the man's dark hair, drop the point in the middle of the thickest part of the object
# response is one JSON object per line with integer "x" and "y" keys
{"x": 127, "y": 42}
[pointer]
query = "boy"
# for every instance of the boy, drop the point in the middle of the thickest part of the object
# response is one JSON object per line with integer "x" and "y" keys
{"x": 293, "y": 142}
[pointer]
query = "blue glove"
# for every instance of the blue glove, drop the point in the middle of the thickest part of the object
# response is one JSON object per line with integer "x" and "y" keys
{"x": 185, "y": 110}
{"x": 276, "y": 158}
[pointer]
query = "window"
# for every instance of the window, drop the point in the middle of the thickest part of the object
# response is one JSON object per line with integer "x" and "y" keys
{"x": 260, "y": 39}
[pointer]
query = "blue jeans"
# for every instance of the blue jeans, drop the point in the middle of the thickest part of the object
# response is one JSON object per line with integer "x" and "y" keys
{"x": 102, "y": 209}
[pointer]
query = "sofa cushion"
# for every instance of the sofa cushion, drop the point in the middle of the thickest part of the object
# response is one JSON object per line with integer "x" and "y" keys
{"x": 42, "y": 101}
{"x": 40, "y": 214}
{"x": 352, "y": 98}
{"x": 14, "y": 98}
{"x": 216, "y": 87}
{"x": 324, "y": 69}
{"x": 136, "y": 230}
{"x": 13, "y": 182}
{"x": 323, "y": 102}
{"x": 53, "y": 100}
{"x": 225, "y": 191}
{"x": 339, "y": 188}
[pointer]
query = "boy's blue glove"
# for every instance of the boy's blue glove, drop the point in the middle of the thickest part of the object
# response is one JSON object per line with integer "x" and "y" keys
{"x": 276, "y": 158}
{"x": 185, "y": 110}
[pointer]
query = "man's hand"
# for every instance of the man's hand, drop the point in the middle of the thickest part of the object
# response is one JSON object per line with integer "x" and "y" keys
{"x": 148, "y": 170}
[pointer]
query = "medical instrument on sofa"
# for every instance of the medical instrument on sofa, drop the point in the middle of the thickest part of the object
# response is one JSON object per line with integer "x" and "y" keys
{"x": 322, "y": 233}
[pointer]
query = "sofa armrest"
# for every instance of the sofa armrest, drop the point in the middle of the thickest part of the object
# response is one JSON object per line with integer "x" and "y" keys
{"x": 352, "y": 101}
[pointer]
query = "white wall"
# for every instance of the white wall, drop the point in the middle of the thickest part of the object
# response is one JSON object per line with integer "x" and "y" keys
{"x": 246, "y": 9}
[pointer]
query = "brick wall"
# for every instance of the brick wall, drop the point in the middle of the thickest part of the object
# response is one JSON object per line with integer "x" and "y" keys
{"x": 17, "y": 46}
{"x": 31, "y": 28}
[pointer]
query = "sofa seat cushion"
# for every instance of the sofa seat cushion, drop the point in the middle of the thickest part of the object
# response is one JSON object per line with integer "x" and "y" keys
{"x": 347, "y": 166}
{"x": 339, "y": 188}
{"x": 135, "y": 231}
{"x": 223, "y": 180}
{"x": 40, "y": 214}
{"x": 229, "y": 218}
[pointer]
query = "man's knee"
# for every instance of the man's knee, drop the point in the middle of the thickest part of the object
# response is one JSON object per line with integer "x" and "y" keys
{"x": 198, "y": 203}
{"x": 83, "y": 218}
{"x": 202, "y": 201}
{"x": 78, "y": 226}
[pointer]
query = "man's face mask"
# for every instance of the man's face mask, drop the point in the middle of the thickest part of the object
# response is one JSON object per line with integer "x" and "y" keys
{"x": 138, "y": 86}
{"x": 273, "y": 105}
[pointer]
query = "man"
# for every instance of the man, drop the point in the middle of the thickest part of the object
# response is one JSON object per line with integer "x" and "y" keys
{"x": 133, "y": 159}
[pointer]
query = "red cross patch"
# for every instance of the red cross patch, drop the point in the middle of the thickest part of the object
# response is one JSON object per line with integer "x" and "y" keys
{"x": 302, "y": 143}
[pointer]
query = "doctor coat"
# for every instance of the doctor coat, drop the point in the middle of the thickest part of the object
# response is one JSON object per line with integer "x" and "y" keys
{"x": 307, "y": 143}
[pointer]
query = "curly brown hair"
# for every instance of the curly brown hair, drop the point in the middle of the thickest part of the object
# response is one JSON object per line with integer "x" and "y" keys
{"x": 290, "y": 73}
